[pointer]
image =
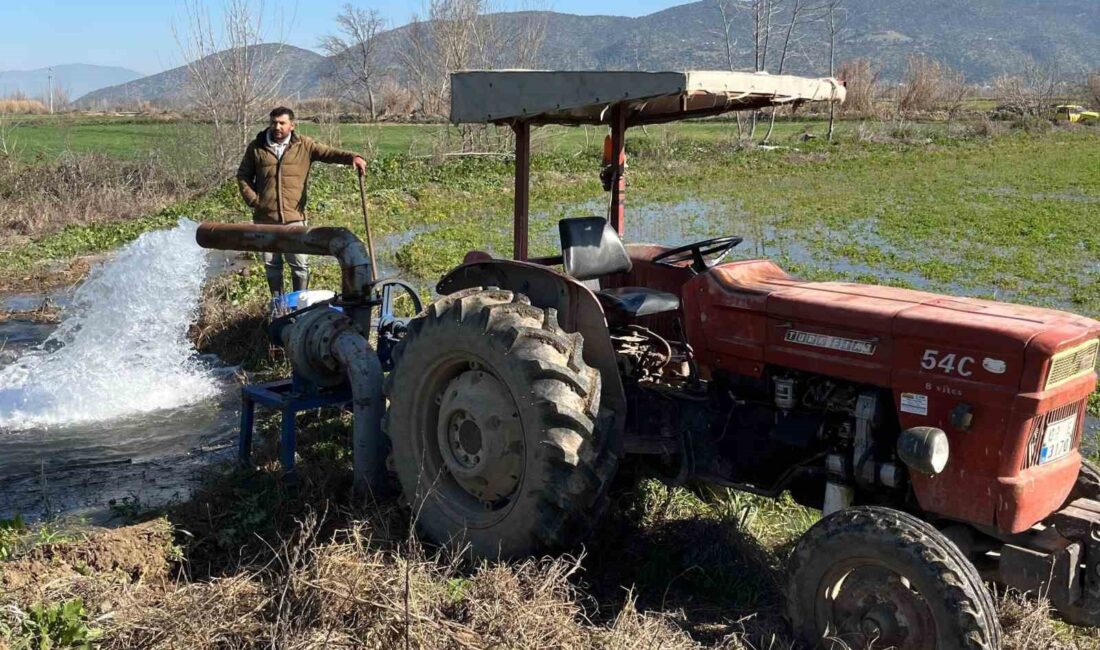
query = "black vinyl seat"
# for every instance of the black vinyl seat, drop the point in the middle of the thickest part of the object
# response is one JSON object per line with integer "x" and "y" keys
{"x": 591, "y": 248}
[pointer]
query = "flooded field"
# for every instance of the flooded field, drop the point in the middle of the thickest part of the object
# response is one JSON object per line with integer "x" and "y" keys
{"x": 931, "y": 221}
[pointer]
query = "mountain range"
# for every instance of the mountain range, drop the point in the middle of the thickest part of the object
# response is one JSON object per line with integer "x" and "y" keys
{"x": 72, "y": 79}
{"x": 303, "y": 72}
{"x": 981, "y": 38}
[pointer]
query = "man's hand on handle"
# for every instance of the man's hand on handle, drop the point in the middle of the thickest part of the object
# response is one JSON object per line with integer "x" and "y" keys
{"x": 360, "y": 165}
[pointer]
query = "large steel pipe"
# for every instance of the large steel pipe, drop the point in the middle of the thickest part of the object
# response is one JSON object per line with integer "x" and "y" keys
{"x": 368, "y": 442}
{"x": 340, "y": 243}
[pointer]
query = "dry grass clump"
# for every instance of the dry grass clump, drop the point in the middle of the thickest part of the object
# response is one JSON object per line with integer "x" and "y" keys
{"x": 224, "y": 613}
{"x": 349, "y": 591}
{"x": 362, "y": 586}
{"x": 980, "y": 128}
{"x": 1028, "y": 624}
{"x": 42, "y": 198}
{"x": 22, "y": 107}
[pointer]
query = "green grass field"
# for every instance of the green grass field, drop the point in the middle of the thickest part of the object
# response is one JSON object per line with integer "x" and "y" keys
{"x": 50, "y": 136}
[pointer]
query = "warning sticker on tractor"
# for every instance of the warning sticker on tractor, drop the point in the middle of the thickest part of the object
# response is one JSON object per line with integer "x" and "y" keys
{"x": 914, "y": 403}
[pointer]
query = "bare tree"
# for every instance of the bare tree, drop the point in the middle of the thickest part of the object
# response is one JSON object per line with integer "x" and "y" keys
{"x": 727, "y": 12}
{"x": 1030, "y": 92}
{"x": 464, "y": 34}
{"x": 861, "y": 85}
{"x": 355, "y": 53}
{"x": 60, "y": 99}
{"x": 763, "y": 14}
{"x": 437, "y": 46}
{"x": 421, "y": 67}
{"x": 231, "y": 80}
{"x": 834, "y": 18}
{"x": 931, "y": 85}
{"x": 1093, "y": 85}
{"x": 801, "y": 12}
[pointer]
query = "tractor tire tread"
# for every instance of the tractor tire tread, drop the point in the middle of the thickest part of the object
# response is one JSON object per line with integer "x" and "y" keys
{"x": 962, "y": 587}
{"x": 578, "y": 461}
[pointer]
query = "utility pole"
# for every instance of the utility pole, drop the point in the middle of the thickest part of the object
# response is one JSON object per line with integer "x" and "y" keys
{"x": 51, "y": 89}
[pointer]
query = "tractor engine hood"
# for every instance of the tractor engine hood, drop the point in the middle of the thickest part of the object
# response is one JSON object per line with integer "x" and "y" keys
{"x": 1009, "y": 345}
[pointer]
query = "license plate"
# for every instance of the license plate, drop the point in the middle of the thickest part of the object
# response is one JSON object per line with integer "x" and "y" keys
{"x": 1058, "y": 439}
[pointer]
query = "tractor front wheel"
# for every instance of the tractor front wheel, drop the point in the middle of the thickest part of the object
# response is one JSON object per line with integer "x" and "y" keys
{"x": 492, "y": 420}
{"x": 1087, "y": 485}
{"x": 876, "y": 577}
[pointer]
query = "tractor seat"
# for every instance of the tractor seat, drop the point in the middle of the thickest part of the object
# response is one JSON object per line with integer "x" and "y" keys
{"x": 591, "y": 248}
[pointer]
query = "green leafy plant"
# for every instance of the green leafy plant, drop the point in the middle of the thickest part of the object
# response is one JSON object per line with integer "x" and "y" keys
{"x": 61, "y": 625}
{"x": 11, "y": 531}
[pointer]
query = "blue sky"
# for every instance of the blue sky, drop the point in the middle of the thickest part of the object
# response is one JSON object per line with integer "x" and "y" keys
{"x": 137, "y": 34}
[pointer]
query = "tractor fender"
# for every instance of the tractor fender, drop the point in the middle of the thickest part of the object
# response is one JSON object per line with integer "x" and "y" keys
{"x": 578, "y": 311}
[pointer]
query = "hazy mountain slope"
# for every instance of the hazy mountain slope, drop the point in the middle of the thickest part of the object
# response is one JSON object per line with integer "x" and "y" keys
{"x": 983, "y": 38}
{"x": 302, "y": 69}
{"x": 75, "y": 79}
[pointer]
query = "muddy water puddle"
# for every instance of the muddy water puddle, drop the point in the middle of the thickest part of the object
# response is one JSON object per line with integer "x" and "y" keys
{"x": 84, "y": 469}
{"x": 676, "y": 224}
{"x": 107, "y": 399}
{"x": 150, "y": 458}
{"x": 815, "y": 251}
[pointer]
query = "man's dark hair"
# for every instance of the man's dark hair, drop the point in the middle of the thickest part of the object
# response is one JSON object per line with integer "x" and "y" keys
{"x": 282, "y": 110}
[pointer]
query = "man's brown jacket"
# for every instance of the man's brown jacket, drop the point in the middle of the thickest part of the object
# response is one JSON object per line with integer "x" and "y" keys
{"x": 275, "y": 188}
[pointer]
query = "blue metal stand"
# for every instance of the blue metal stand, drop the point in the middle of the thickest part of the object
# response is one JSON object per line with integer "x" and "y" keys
{"x": 291, "y": 397}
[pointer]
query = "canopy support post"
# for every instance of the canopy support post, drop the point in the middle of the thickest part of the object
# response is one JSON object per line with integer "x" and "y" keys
{"x": 522, "y": 131}
{"x": 616, "y": 210}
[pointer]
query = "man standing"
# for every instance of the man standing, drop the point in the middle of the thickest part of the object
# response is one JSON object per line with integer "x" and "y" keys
{"x": 273, "y": 178}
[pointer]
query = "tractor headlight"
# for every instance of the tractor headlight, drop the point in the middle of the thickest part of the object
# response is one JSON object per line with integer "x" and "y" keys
{"x": 924, "y": 449}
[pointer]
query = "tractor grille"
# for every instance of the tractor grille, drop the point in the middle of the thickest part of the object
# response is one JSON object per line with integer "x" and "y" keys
{"x": 1039, "y": 429}
{"x": 1072, "y": 363}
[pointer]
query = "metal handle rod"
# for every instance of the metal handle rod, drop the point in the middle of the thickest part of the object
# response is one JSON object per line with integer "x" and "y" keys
{"x": 366, "y": 224}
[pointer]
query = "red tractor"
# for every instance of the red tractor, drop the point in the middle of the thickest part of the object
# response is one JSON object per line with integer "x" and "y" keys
{"x": 938, "y": 435}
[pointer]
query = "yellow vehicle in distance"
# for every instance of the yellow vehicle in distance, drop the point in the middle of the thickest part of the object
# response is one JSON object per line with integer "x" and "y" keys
{"x": 1075, "y": 114}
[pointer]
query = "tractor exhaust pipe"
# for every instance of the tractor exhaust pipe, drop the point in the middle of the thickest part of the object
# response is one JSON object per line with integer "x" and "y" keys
{"x": 340, "y": 243}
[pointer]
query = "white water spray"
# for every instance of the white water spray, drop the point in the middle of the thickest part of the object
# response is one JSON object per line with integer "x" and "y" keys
{"x": 122, "y": 347}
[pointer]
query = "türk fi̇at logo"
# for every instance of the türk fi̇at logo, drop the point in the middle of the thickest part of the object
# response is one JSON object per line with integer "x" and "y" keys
{"x": 855, "y": 346}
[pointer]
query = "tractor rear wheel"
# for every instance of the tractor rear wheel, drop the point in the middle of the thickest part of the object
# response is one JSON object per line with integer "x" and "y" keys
{"x": 492, "y": 420}
{"x": 876, "y": 577}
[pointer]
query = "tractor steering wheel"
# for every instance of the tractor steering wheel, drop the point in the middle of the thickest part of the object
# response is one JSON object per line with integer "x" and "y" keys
{"x": 698, "y": 253}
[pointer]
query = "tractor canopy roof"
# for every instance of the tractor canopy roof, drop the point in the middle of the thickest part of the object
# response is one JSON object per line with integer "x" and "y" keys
{"x": 585, "y": 97}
